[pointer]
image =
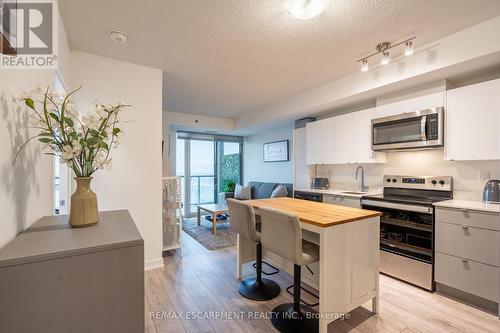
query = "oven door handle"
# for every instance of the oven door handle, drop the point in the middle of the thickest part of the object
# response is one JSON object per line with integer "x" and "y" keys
{"x": 423, "y": 132}
{"x": 410, "y": 208}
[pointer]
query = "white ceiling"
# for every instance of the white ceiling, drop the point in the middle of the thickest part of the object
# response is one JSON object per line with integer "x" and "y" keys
{"x": 226, "y": 57}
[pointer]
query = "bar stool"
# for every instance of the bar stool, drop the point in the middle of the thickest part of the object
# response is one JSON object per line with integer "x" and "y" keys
{"x": 281, "y": 234}
{"x": 242, "y": 220}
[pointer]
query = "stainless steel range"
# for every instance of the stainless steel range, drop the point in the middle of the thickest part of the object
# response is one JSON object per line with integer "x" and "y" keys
{"x": 407, "y": 225}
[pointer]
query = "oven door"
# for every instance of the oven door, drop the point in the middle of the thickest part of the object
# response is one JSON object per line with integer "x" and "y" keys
{"x": 406, "y": 241}
{"x": 422, "y": 129}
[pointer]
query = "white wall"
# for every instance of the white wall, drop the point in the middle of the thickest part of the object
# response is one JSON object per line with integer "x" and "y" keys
{"x": 134, "y": 183}
{"x": 467, "y": 182}
{"x": 26, "y": 189}
{"x": 254, "y": 167}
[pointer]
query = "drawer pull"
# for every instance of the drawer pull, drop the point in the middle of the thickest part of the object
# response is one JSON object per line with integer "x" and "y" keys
{"x": 465, "y": 227}
{"x": 465, "y": 211}
{"x": 465, "y": 261}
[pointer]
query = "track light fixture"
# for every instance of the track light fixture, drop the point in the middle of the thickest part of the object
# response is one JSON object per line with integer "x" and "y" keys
{"x": 364, "y": 66}
{"x": 384, "y": 48}
{"x": 409, "y": 48}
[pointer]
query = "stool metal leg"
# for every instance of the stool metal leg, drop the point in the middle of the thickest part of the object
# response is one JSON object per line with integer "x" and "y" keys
{"x": 258, "y": 288}
{"x": 294, "y": 317}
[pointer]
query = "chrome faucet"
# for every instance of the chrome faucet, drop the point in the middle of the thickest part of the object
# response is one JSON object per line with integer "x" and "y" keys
{"x": 363, "y": 188}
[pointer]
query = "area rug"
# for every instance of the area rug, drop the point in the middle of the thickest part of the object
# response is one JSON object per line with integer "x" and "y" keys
{"x": 225, "y": 237}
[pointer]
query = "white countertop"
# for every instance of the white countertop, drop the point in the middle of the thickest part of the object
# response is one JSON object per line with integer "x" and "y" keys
{"x": 338, "y": 192}
{"x": 469, "y": 204}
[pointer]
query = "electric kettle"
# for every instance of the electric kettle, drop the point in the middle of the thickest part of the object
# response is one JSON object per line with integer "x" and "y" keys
{"x": 491, "y": 192}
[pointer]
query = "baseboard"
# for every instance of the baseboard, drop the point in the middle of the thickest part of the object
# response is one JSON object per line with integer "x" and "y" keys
{"x": 153, "y": 264}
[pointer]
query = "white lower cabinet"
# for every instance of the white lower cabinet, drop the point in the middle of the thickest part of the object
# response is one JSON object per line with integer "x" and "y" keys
{"x": 468, "y": 251}
{"x": 342, "y": 201}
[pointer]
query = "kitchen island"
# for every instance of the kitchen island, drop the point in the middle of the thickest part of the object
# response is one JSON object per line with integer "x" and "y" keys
{"x": 349, "y": 253}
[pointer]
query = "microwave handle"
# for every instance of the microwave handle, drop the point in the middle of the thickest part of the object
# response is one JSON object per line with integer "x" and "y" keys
{"x": 423, "y": 132}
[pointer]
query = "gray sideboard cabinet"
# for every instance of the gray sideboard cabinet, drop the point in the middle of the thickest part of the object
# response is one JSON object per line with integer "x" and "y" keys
{"x": 55, "y": 279}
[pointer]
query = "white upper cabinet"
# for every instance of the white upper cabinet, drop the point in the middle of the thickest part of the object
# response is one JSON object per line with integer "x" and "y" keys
{"x": 361, "y": 148}
{"x": 342, "y": 139}
{"x": 328, "y": 147}
{"x": 313, "y": 142}
{"x": 473, "y": 122}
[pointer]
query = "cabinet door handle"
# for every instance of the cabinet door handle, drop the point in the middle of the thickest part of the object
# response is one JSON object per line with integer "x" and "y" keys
{"x": 465, "y": 227}
{"x": 465, "y": 261}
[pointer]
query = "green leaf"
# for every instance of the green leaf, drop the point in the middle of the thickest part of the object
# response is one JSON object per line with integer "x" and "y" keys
{"x": 54, "y": 116}
{"x": 68, "y": 121}
{"x": 92, "y": 141}
{"x": 45, "y": 134}
{"x": 94, "y": 132}
{"x": 45, "y": 140}
{"x": 116, "y": 130}
{"x": 30, "y": 103}
{"x": 103, "y": 144}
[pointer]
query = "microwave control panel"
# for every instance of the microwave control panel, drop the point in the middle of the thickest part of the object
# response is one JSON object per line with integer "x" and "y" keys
{"x": 432, "y": 127}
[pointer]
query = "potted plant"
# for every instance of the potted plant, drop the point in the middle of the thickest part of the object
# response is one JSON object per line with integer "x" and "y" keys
{"x": 228, "y": 185}
{"x": 82, "y": 141}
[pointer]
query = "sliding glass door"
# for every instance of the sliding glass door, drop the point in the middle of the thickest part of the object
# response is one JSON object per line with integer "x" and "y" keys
{"x": 208, "y": 165}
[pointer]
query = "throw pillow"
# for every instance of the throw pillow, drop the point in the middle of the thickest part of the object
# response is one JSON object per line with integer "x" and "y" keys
{"x": 242, "y": 192}
{"x": 279, "y": 191}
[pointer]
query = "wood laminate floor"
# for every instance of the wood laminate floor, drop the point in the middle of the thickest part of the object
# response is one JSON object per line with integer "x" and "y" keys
{"x": 190, "y": 294}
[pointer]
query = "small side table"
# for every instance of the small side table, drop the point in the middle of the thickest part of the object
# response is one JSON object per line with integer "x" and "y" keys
{"x": 213, "y": 209}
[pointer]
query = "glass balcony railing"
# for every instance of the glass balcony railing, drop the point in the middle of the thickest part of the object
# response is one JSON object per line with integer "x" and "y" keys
{"x": 202, "y": 189}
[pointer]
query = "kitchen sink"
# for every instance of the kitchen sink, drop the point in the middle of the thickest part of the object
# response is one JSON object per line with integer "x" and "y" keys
{"x": 352, "y": 192}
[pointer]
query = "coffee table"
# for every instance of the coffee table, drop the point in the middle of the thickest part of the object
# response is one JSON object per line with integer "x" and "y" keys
{"x": 213, "y": 209}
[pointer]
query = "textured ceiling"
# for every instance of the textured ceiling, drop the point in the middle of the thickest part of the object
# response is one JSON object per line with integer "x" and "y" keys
{"x": 226, "y": 57}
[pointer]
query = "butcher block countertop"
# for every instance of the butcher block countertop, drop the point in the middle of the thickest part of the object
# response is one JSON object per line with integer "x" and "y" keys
{"x": 316, "y": 213}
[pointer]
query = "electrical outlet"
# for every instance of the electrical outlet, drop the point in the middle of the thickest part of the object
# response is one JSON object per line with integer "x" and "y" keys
{"x": 484, "y": 175}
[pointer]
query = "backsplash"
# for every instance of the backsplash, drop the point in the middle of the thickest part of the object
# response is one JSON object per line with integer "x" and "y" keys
{"x": 468, "y": 184}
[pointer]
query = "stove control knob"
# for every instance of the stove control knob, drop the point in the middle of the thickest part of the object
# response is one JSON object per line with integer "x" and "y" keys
{"x": 434, "y": 182}
{"x": 388, "y": 180}
{"x": 441, "y": 182}
{"x": 394, "y": 180}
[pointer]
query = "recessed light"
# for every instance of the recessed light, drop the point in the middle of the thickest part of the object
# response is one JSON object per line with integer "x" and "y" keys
{"x": 118, "y": 36}
{"x": 307, "y": 9}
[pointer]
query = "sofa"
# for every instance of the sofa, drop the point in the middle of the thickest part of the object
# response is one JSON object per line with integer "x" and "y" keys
{"x": 259, "y": 190}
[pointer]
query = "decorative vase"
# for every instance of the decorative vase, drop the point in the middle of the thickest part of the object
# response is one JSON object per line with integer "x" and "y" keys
{"x": 83, "y": 211}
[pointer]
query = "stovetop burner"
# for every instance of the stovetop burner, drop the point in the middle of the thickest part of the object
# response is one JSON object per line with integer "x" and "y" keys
{"x": 405, "y": 198}
{"x": 420, "y": 190}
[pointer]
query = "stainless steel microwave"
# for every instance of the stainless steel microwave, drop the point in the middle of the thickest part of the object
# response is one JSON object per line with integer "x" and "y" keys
{"x": 413, "y": 130}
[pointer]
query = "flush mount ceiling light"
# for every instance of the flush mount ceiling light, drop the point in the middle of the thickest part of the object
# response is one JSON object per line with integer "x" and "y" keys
{"x": 384, "y": 48}
{"x": 118, "y": 36}
{"x": 307, "y": 9}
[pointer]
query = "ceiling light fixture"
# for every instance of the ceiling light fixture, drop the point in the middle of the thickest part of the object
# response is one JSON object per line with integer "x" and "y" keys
{"x": 307, "y": 9}
{"x": 118, "y": 36}
{"x": 364, "y": 66}
{"x": 384, "y": 48}
{"x": 409, "y": 48}
{"x": 385, "y": 58}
